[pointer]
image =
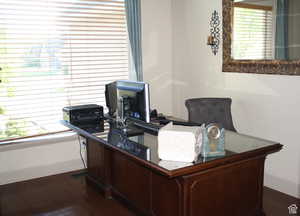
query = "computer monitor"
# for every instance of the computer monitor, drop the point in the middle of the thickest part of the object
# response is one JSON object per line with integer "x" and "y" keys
{"x": 128, "y": 99}
{"x": 111, "y": 98}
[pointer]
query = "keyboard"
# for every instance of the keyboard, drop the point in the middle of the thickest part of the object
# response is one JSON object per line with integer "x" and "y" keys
{"x": 148, "y": 127}
{"x": 183, "y": 123}
{"x": 154, "y": 128}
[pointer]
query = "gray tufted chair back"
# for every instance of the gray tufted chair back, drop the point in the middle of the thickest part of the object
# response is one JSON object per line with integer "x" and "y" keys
{"x": 210, "y": 110}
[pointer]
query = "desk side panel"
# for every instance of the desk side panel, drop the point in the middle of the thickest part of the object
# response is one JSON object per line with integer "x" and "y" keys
{"x": 234, "y": 189}
{"x": 131, "y": 182}
{"x": 99, "y": 166}
{"x": 95, "y": 160}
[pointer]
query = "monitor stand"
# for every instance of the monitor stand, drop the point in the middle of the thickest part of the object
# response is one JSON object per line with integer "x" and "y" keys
{"x": 129, "y": 129}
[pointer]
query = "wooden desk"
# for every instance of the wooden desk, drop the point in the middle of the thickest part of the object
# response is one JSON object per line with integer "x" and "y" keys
{"x": 226, "y": 186}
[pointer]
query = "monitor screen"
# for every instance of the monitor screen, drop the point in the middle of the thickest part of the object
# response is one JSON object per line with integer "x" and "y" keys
{"x": 128, "y": 99}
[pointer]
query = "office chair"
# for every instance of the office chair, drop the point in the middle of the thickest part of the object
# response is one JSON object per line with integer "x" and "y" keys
{"x": 210, "y": 110}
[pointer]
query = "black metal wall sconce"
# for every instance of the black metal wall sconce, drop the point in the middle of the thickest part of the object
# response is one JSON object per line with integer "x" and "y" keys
{"x": 213, "y": 39}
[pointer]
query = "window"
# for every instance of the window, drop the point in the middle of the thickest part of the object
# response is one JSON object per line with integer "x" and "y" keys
{"x": 252, "y": 35}
{"x": 56, "y": 53}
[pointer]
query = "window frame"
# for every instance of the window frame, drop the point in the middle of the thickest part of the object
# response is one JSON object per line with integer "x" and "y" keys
{"x": 30, "y": 137}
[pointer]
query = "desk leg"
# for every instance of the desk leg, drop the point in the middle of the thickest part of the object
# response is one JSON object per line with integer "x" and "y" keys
{"x": 261, "y": 188}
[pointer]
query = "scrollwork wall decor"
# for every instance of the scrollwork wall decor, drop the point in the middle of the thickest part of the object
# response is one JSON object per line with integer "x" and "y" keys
{"x": 214, "y": 39}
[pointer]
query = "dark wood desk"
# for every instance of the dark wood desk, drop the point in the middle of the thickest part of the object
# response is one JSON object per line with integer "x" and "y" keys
{"x": 226, "y": 186}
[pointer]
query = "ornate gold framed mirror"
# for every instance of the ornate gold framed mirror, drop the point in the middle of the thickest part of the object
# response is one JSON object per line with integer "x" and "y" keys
{"x": 261, "y": 36}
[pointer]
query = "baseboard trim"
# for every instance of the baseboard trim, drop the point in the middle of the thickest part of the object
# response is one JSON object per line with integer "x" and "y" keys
{"x": 282, "y": 185}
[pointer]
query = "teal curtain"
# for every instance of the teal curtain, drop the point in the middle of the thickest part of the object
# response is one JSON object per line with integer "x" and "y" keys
{"x": 133, "y": 15}
{"x": 281, "y": 39}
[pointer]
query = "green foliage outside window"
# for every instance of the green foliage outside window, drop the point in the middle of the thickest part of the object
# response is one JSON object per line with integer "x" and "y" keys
{"x": 14, "y": 129}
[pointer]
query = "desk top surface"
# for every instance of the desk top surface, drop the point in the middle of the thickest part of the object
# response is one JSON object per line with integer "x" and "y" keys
{"x": 144, "y": 148}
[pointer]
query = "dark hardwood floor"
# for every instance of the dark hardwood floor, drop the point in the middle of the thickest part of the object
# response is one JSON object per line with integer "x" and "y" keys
{"x": 67, "y": 194}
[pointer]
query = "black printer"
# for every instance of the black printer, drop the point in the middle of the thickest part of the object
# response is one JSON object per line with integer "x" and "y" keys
{"x": 83, "y": 114}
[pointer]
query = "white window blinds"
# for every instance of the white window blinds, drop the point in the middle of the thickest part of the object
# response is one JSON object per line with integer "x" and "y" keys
{"x": 56, "y": 53}
{"x": 252, "y": 32}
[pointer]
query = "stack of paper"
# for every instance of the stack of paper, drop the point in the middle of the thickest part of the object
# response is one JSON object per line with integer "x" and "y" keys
{"x": 179, "y": 143}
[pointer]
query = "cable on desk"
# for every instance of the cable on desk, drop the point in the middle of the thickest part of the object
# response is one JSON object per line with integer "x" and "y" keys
{"x": 81, "y": 152}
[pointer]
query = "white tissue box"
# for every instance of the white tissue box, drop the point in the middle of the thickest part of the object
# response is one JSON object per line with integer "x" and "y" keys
{"x": 179, "y": 143}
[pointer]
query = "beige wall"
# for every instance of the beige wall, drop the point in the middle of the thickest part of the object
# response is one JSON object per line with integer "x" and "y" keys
{"x": 39, "y": 158}
{"x": 42, "y": 158}
{"x": 266, "y": 106}
{"x": 157, "y": 52}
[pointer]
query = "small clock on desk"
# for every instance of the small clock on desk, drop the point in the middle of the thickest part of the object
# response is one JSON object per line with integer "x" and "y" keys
{"x": 213, "y": 140}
